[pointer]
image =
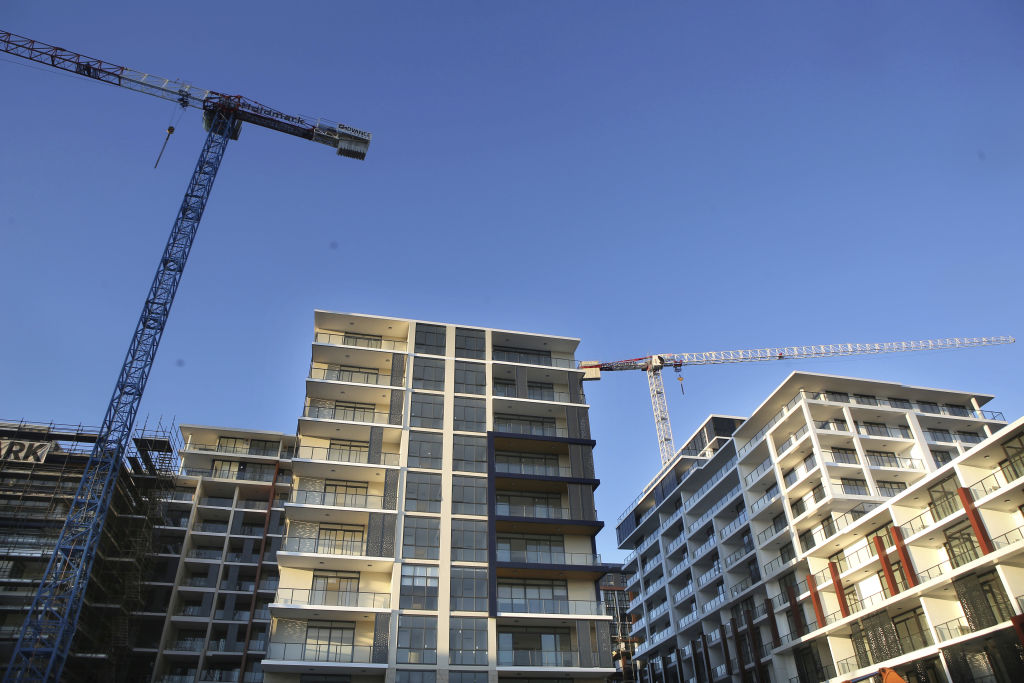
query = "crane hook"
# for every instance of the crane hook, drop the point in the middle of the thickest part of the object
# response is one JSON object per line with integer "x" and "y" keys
{"x": 170, "y": 130}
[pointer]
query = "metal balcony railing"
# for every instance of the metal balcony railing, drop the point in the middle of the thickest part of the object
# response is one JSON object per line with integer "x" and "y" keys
{"x": 362, "y": 376}
{"x": 360, "y": 341}
{"x": 353, "y": 454}
{"x": 316, "y": 652}
{"x": 550, "y": 606}
{"x": 542, "y": 557}
{"x": 936, "y": 512}
{"x": 546, "y": 658}
{"x": 347, "y": 414}
{"x": 323, "y": 546}
{"x": 347, "y": 500}
{"x": 329, "y": 598}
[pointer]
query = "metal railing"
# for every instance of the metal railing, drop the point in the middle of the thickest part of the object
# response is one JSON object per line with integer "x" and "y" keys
{"x": 954, "y": 628}
{"x": 549, "y": 658}
{"x": 840, "y": 457}
{"x": 352, "y": 454}
{"x": 756, "y": 439}
{"x": 550, "y": 606}
{"x": 884, "y": 431}
{"x": 354, "y": 376}
{"x": 328, "y": 598}
{"x": 532, "y": 428}
{"x": 753, "y": 476}
{"x": 226, "y": 448}
{"x": 526, "y": 357}
{"x": 538, "y": 511}
{"x": 893, "y": 460}
{"x": 347, "y": 500}
{"x": 1009, "y": 538}
{"x": 323, "y": 546}
{"x": 936, "y": 512}
{"x": 346, "y": 414}
{"x": 764, "y": 500}
{"x": 531, "y": 468}
{"x": 925, "y": 408}
{"x": 362, "y": 342}
{"x": 687, "y": 590}
{"x": 327, "y": 652}
{"x": 791, "y": 440}
{"x": 732, "y": 526}
{"x": 549, "y": 557}
{"x": 738, "y": 555}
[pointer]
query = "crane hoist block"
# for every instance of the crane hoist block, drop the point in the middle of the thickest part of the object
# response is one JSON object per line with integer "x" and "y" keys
{"x": 591, "y": 369}
{"x": 352, "y": 142}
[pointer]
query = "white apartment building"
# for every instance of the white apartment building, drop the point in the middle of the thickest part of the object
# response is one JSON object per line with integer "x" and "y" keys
{"x": 846, "y": 525}
{"x": 432, "y": 519}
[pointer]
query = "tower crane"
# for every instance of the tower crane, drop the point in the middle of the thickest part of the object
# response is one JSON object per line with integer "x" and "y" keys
{"x": 653, "y": 366}
{"x": 46, "y": 635}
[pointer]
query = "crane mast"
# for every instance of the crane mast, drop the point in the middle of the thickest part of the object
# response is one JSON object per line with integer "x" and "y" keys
{"x": 653, "y": 366}
{"x": 46, "y": 636}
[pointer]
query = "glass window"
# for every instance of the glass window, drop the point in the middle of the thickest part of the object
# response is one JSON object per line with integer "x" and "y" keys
{"x": 428, "y": 373}
{"x": 891, "y": 488}
{"x": 470, "y": 414}
{"x": 537, "y": 548}
{"x": 469, "y": 495}
{"x": 469, "y": 540}
{"x": 425, "y": 450}
{"x": 413, "y": 676}
{"x": 467, "y": 640}
{"x": 422, "y": 492}
{"x": 421, "y": 538}
{"x": 470, "y": 343}
{"x": 540, "y": 596}
{"x": 854, "y": 487}
{"x": 427, "y": 411}
{"x": 469, "y": 454}
{"x": 505, "y": 387}
{"x": 329, "y": 641}
{"x": 470, "y": 378}
{"x": 514, "y": 355}
{"x": 417, "y": 639}
{"x": 419, "y": 587}
{"x": 430, "y": 339}
{"x": 263, "y": 447}
{"x": 469, "y": 589}
{"x": 527, "y": 463}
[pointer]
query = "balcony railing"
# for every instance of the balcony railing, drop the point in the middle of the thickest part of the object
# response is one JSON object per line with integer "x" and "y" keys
{"x": 936, "y": 512}
{"x": 772, "y": 531}
{"x": 710, "y": 483}
{"x": 793, "y": 438}
{"x": 764, "y": 500}
{"x": 734, "y": 525}
{"x": 654, "y": 562}
{"x": 363, "y": 342}
{"x": 347, "y": 414}
{"x": 724, "y": 500}
{"x": 346, "y": 500}
{"x": 735, "y": 557}
{"x": 243, "y": 449}
{"x": 531, "y": 428}
{"x": 538, "y": 511}
{"x": 896, "y": 461}
{"x": 1009, "y": 538}
{"x": 884, "y": 431}
{"x": 528, "y": 357}
{"x": 550, "y": 606}
{"x": 840, "y": 457}
{"x": 549, "y": 557}
{"x": 756, "y": 439}
{"x": 326, "y": 598}
{"x": 527, "y": 467}
{"x": 907, "y": 643}
{"x": 247, "y": 474}
{"x": 546, "y": 658}
{"x": 682, "y": 593}
{"x": 705, "y": 546}
{"x": 954, "y": 628}
{"x": 750, "y": 478}
{"x": 353, "y": 454}
{"x": 323, "y": 546}
{"x": 925, "y": 408}
{"x": 316, "y": 652}
{"x": 354, "y": 376}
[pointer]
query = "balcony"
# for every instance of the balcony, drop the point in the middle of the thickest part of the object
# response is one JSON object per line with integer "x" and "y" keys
{"x": 758, "y": 471}
{"x": 294, "y": 603}
{"x": 763, "y": 502}
{"x": 338, "y": 373}
{"x": 715, "y": 603}
{"x": 799, "y": 472}
{"x": 756, "y": 439}
{"x": 735, "y": 557}
{"x": 772, "y": 531}
{"x": 515, "y": 425}
{"x": 937, "y": 511}
{"x": 884, "y": 431}
{"x": 550, "y": 659}
{"x": 503, "y": 354}
{"x": 892, "y": 460}
{"x": 734, "y": 526}
{"x": 360, "y": 341}
{"x": 549, "y": 557}
{"x": 347, "y": 554}
{"x": 228, "y": 471}
{"x": 537, "y": 511}
{"x": 704, "y": 547}
{"x": 907, "y": 643}
{"x": 280, "y": 653}
{"x": 551, "y": 606}
{"x": 347, "y": 414}
{"x": 791, "y": 441}
{"x": 361, "y": 501}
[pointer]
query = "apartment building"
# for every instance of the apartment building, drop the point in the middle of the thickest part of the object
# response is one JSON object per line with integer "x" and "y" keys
{"x": 432, "y": 519}
{"x": 846, "y": 525}
{"x": 616, "y": 602}
{"x": 41, "y": 466}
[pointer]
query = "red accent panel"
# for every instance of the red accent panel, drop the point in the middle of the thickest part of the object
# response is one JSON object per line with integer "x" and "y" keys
{"x": 707, "y": 655}
{"x": 819, "y": 613}
{"x": 837, "y": 585}
{"x": 1018, "y": 625}
{"x": 980, "y": 532}
{"x": 890, "y": 578}
{"x": 798, "y": 613}
{"x": 901, "y": 550}
{"x": 737, "y": 643}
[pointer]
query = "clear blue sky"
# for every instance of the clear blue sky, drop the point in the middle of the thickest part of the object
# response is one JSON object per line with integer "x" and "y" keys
{"x": 650, "y": 177}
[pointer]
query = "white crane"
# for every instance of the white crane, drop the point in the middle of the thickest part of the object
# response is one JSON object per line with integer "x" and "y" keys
{"x": 653, "y": 365}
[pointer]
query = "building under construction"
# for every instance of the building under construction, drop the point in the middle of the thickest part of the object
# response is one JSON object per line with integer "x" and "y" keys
{"x": 41, "y": 466}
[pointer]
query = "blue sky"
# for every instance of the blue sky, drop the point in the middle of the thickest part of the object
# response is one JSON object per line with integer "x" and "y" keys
{"x": 652, "y": 178}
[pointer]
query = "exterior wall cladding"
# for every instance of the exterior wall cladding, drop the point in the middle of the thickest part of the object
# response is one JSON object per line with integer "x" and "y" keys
{"x": 847, "y": 525}
{"x": 431, "y": 520}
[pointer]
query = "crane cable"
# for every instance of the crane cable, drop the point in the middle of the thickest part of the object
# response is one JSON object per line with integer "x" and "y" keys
{"x": 175, "y": 118}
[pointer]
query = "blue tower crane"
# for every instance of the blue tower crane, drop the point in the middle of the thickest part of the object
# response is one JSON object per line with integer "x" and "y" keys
{"x": 49, "y": 628}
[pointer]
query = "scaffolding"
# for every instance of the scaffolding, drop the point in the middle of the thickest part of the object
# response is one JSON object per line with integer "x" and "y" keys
{"x": 40, "y": 468}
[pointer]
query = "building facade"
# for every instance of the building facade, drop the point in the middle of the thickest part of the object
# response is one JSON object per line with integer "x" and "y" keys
{"x": 616, "y": 601}
{"x": 846, "y": 525}
{"x": 432, "y": 519}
